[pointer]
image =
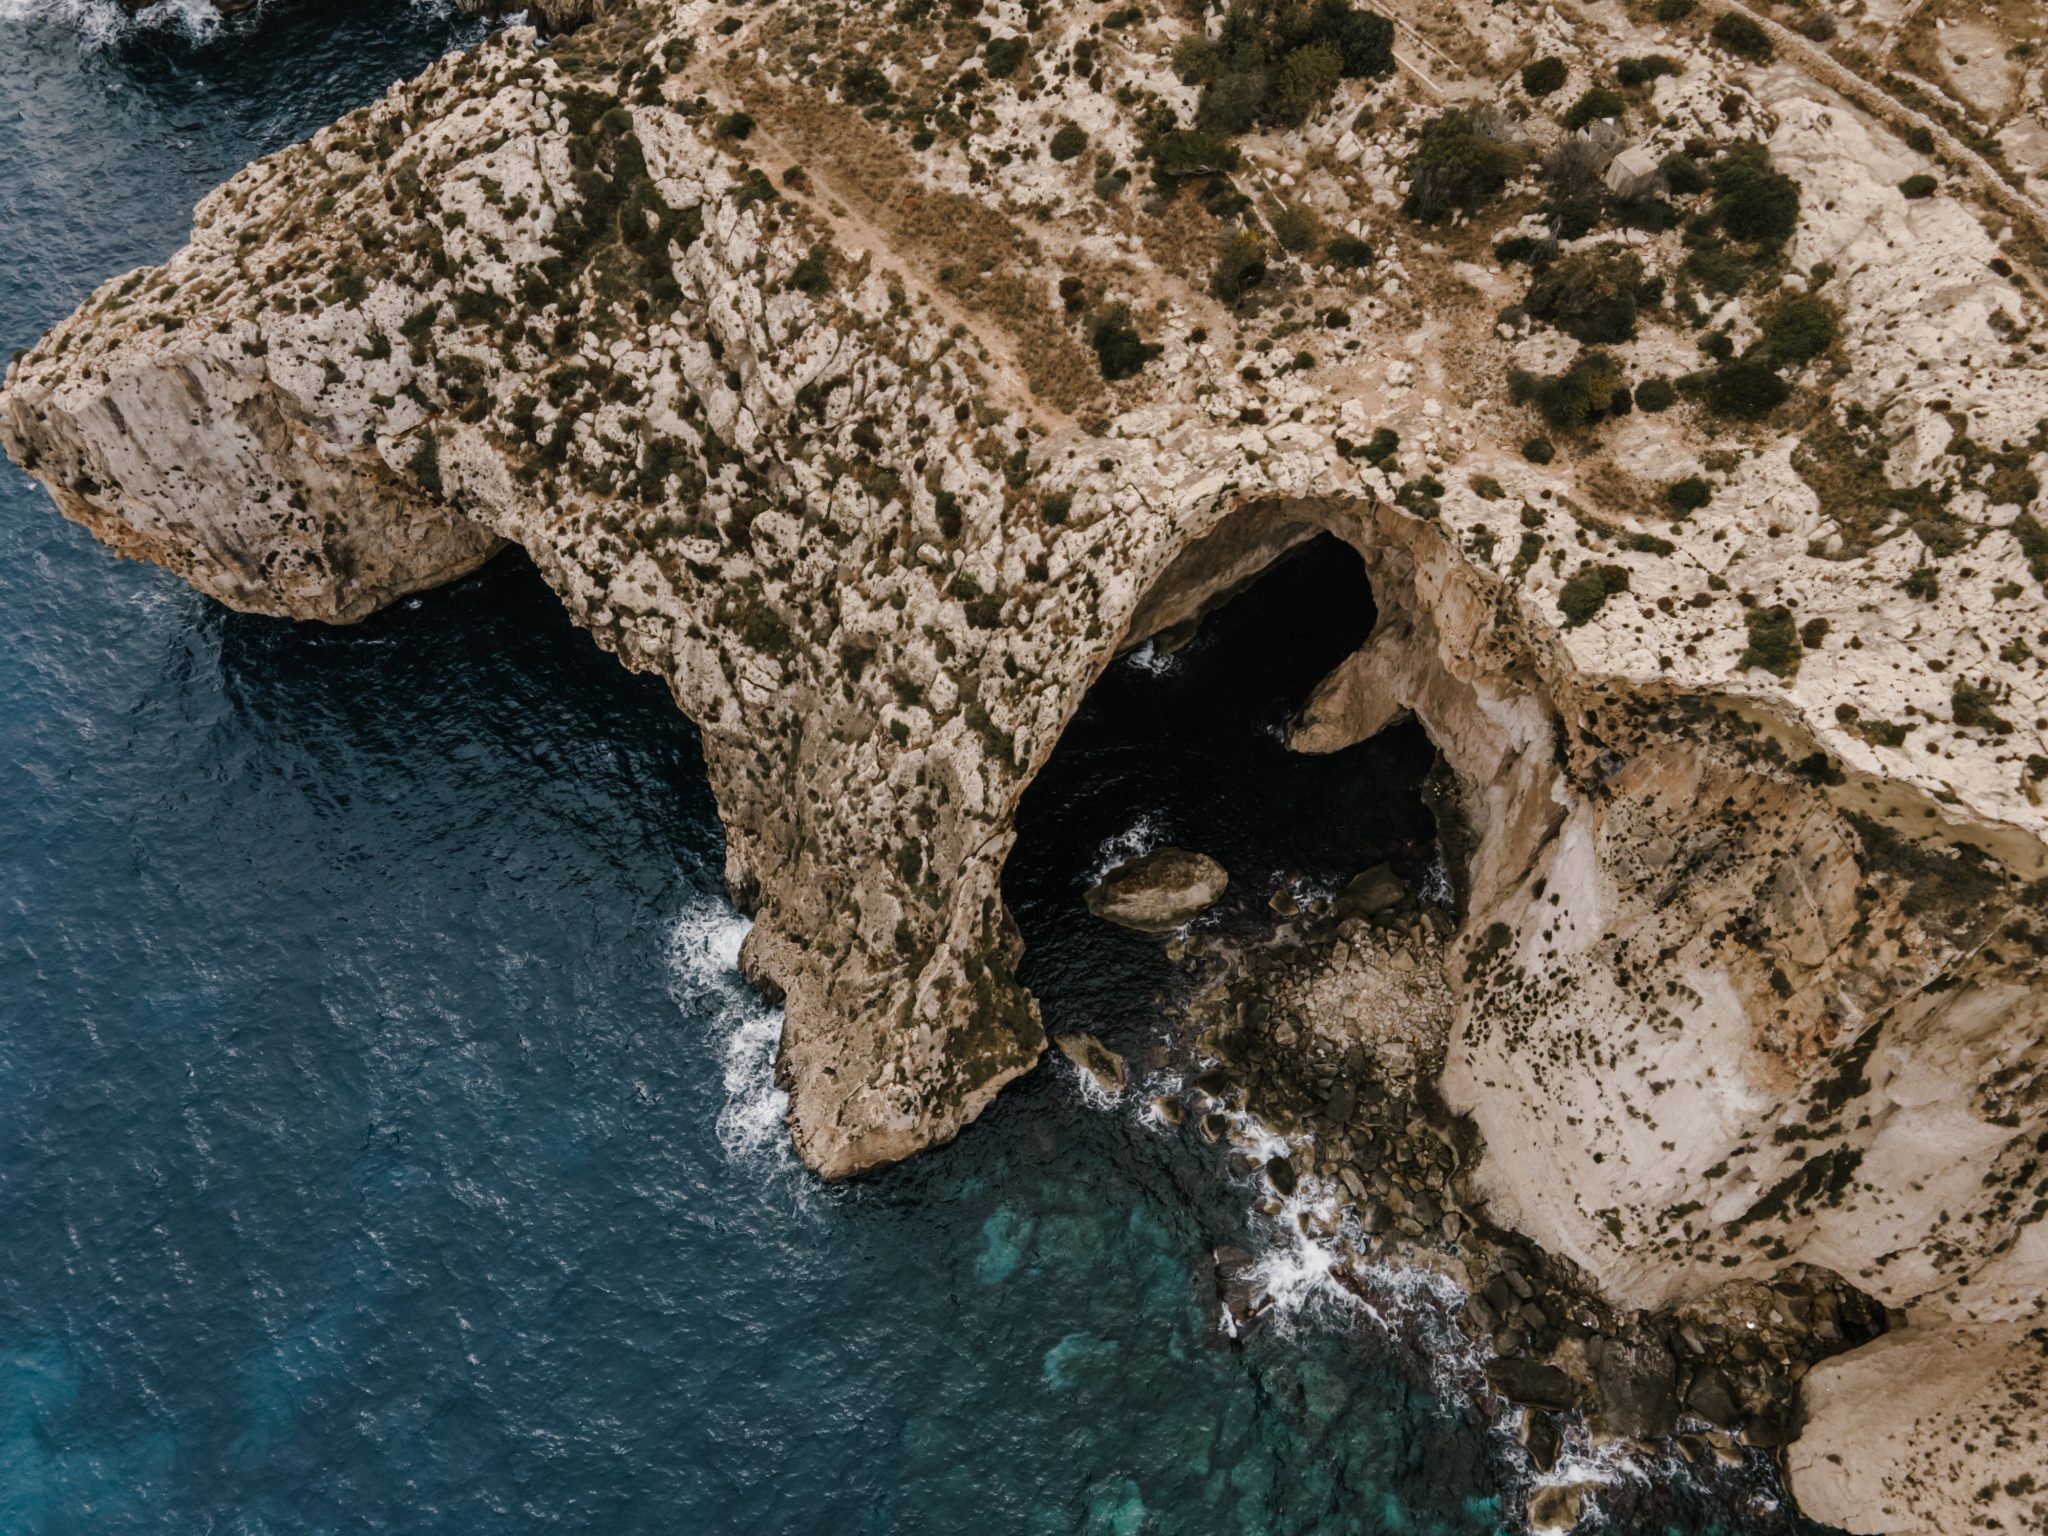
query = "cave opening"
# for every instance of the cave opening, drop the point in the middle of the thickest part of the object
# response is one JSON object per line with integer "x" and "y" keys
{"x": 1182, "y": 742}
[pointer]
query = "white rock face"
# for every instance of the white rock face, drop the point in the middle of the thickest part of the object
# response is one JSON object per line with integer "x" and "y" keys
{"x": 1881, "y": 1452}
{"x": 796, "y": 418}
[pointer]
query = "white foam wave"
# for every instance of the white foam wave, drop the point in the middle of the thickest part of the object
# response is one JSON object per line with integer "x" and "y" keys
{"x": 1150, "y": 659}
{"x": 1436, "y": 883}
{"x": 704, "y": 963}
{"x": 1139, "y": 839}
{"x": 102, "y": 23}
{"x": 99, "y": 23}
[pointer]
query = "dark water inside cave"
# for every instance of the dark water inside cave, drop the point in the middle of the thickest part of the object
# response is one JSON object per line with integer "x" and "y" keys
{"x": 387, "y": 1144}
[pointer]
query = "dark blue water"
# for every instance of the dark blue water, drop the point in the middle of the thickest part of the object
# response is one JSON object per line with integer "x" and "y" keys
{"x": 386, "y": 1143}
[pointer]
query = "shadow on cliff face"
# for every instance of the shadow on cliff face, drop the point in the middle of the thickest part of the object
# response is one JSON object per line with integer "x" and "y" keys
{"x": 1187, "y": 747}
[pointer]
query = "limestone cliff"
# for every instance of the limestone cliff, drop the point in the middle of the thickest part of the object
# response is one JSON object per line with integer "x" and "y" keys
{"x": 823, "y": 376}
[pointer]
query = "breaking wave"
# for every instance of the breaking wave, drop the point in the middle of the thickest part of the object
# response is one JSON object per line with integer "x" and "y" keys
{"x": 704, "y": 967}
{"x": 103, "y": 23}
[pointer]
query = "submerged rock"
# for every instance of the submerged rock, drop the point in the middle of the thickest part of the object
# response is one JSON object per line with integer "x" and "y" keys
{"x": 1102, "y": 1065}
{"x": 1160, "y": 891}
{"x": 1236, "y": 1278}
{"x": 1557, "y": 1508}
{"x": 1541, "y": 1439}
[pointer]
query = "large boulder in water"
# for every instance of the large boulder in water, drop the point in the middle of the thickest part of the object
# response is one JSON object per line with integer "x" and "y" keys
{"x": 1160, "y": 891}
{"x": 1095, "y": 1059}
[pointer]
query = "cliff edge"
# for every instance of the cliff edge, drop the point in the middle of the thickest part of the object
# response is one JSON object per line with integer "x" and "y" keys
{"x": 876, "y": 380}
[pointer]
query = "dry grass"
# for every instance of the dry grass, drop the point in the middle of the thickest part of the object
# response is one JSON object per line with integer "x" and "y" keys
{"x": 953, "y": 245}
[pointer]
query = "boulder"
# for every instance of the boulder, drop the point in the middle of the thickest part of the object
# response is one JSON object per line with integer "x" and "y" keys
{"x": 1160, "y": 891}
{"x": 1097, "y": 1061}
{"x": 1532, "y": 1384}
{"x": 1712, "y": 1396}
{"x": 1541, "y": 1439}
{"x": 1637, "y": 1384}
{"x": 1377, "y": 890}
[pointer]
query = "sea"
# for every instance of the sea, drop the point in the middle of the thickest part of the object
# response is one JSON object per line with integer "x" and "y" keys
{"x": 388, "y": 1143}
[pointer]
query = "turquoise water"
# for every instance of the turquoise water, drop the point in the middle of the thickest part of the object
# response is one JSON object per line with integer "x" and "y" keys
{"x": 387, "y": 1144}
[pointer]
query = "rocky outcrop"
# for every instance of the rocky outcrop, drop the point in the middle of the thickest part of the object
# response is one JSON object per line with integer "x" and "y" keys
{"x": 795, "y": 405}
{"x": 1929, "y": 1431}
{"x": 1158, "y": 892}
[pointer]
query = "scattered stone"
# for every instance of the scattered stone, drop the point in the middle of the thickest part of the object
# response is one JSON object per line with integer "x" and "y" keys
{"x": 1160, "y": 891}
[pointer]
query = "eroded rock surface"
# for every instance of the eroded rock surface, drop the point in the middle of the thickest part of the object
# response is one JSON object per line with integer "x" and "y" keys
{"x": 1159, "y": 891}
{"x": 776, "y": 348}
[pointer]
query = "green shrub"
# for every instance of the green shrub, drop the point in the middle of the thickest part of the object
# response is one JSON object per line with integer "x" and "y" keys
{"x": 1240, "y": 266}
{"x": 1972, "y": 705}
{"x": 1747, "y": 387}
{"x": 1455, "y": 168}
{"x": 864, "y": 85}
{"x": 1740, "y": 35}
{"x": 1543, "y": 76}
{"x": 1797, "y": 329}
{"x": 1296, "y": 228}
{"x": 1582, "y": 394}
{"x": 1278, "y": 64}
{"x": 1349, "y": 251}
{"x": 1119, "y": 350}
{"x": 1593, "y": 105}
{"x": 1303, "y": 82}
{"x": 1655, "y": 395}
{"x": 1689, "y": 494}
{"x": 812, "y": 275}
{"x": 1364, "y": 40}
{"x": 1589, "y": 295}
{"x": 1753, "y": 201}
{"x": 425, "y": 463}
{"x": 1682, "y": 174}
{"x": 1191, "y": 152}
{"x": 1919, "y": 186}
{"x": 1068, "y": 141}
{"x": 1773, "y": 641}
{"x": 1196, "y": 60}
{"x": 1002, "y": 56}
{"x": 1588, "y": 590}
{"x": 1638, "y": 72}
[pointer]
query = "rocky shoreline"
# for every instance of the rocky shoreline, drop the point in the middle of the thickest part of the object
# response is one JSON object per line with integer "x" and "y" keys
{"x": 1328, "y": 1035}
